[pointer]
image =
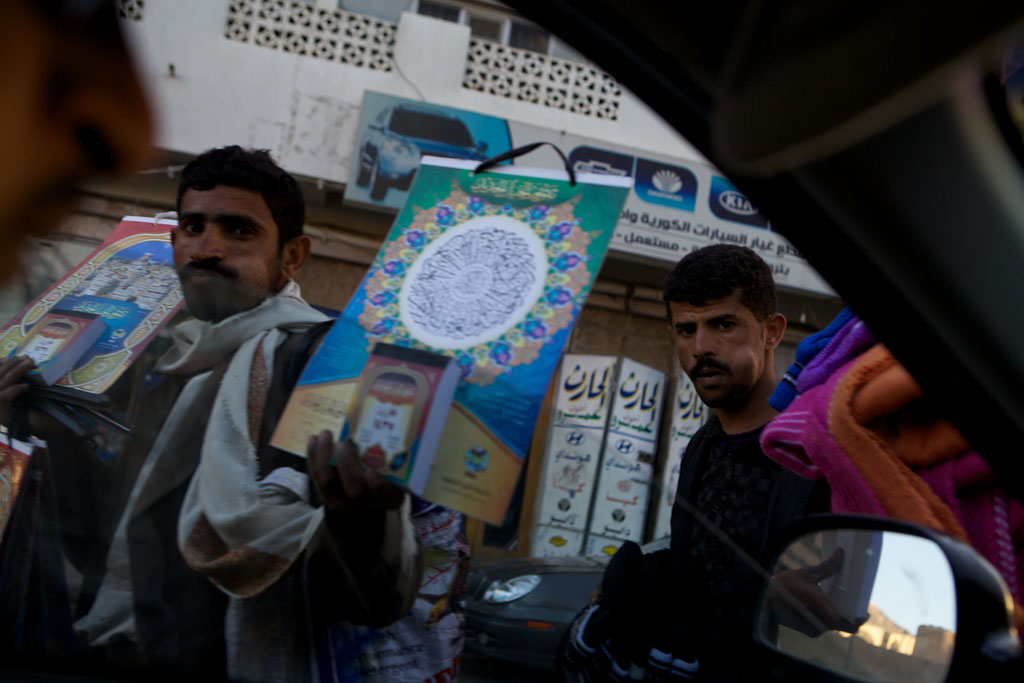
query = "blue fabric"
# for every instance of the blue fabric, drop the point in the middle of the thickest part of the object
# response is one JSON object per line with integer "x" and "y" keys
{"x": 785, "y": 393}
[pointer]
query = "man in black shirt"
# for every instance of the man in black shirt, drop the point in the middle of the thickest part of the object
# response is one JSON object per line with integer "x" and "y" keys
{"x": 686, "y": 612}
{"x": 731, "y": 497}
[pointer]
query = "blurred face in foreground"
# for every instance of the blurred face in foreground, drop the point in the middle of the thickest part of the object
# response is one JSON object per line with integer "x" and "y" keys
{"x": 72, "y": 109}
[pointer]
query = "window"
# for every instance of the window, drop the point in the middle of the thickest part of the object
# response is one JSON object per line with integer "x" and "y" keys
{"x": 388, "y": 10}
{"x": 527, "y": 37}
{"x": 498, "y": 28}
{"x": 486, "y": 28}
{"x": 439, "y": 11}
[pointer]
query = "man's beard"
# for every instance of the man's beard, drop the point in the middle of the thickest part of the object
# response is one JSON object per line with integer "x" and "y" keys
{"x": 219, "y": 295}
{"x": 731, "y": 397}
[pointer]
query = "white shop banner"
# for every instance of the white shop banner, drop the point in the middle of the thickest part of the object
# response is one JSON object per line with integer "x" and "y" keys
{"x": 688, "y": 415}
{"x": 627, "y": 466}
{"x": 572, "y": 460}
{"x": 677, "y": 206}
{"x": 582, "y": 404}
{"x": 585, "y": 386}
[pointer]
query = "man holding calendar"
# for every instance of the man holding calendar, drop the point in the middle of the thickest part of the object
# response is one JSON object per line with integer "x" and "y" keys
{"x": 227, "y": 554}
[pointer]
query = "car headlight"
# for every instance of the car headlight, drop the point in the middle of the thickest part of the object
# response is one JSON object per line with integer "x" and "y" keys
{"x": 511, "y": 589}
{"x": 398, "y": 148}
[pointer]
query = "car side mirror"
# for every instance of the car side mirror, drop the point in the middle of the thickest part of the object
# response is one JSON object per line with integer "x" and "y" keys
{"x": 482, "y": 146}
{"x": 870, "y": 599}
{"x": 376, "y": 126}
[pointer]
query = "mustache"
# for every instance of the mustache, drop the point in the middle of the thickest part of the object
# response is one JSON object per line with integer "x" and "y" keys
{"x": 210, "y": 265}
{"x": 706, "y": 364}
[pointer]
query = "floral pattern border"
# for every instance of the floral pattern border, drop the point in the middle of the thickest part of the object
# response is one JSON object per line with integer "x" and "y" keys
{"x": 568, "y": 275}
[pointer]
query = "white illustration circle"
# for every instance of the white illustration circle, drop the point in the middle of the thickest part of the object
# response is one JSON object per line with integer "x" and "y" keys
{"x": 473, "y": 283}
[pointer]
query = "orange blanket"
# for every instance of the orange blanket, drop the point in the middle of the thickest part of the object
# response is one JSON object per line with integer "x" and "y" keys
{"x": 878, "y": 418}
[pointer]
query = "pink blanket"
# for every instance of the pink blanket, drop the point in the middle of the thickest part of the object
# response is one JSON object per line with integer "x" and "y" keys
{"x": 885, "y": 451}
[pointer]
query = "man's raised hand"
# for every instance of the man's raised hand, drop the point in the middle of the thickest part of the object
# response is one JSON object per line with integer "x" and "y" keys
{"x": 345, "y": 486}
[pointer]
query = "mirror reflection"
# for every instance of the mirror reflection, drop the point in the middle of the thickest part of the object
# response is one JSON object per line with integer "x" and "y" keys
{"x": 871, "y": 605}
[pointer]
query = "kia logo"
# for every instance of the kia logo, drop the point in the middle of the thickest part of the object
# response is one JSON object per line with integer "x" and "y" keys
{"x": 733, "y": 201}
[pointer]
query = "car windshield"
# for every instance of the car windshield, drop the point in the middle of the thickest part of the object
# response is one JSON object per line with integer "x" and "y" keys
{"x": 291, "y": 388}
{"x": 426, "y": 126}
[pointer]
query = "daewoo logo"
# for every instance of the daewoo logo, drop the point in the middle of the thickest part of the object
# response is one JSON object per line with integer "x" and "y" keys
{"x": 733, "y": 201}
{"x": 667, "y": 181}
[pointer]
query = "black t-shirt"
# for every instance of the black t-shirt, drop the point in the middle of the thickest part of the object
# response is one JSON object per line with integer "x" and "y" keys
{"x": 734, "y": 495}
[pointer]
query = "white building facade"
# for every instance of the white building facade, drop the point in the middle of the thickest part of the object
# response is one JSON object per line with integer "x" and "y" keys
{"x": 289, "y": 76}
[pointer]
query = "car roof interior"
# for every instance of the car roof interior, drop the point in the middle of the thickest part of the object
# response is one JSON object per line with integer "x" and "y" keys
{"x": 875, "y": 136}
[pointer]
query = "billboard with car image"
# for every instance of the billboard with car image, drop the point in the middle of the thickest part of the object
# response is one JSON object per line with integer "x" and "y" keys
{"x": 674, "y": 207}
